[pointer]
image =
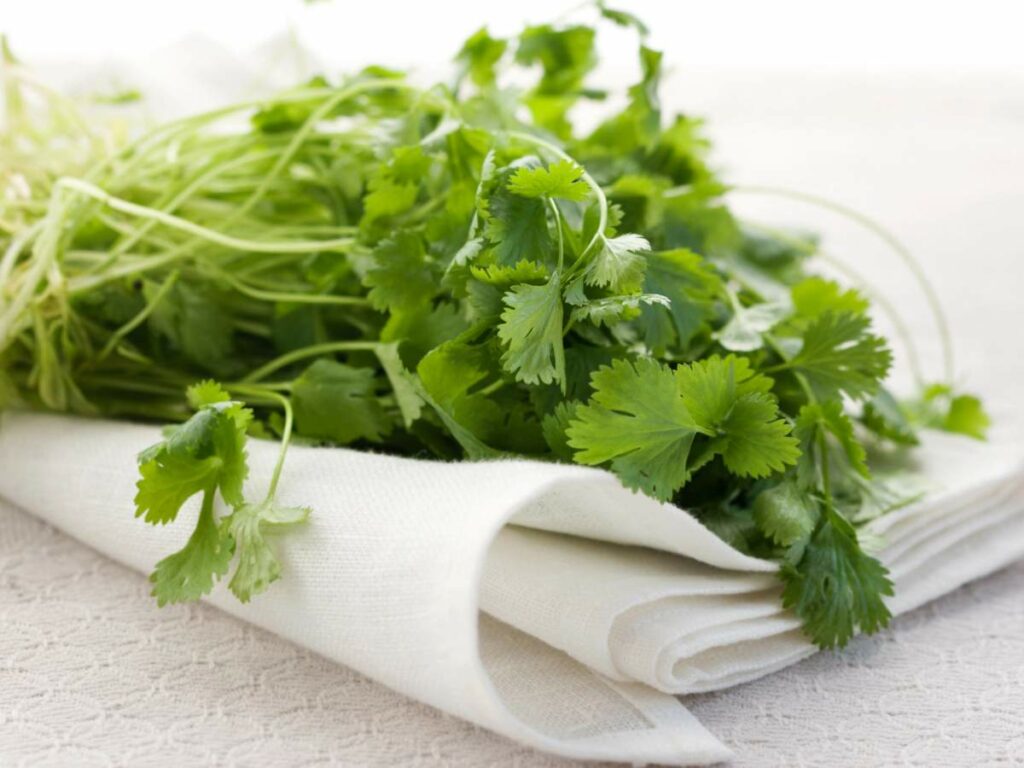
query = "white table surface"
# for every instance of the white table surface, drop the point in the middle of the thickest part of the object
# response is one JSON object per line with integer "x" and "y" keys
{"x": 92, "y": 673}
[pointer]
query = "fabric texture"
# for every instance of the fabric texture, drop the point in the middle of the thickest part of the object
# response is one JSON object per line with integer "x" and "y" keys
{"x": 568, "y": 635}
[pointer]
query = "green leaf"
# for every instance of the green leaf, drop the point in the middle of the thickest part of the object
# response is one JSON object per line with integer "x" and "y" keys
{"x": 248, "y": 526}
{"x": 623, "y": 18}
{"x": 840, "y": 355}
{"x": 966, "y": 416}
{"x": 205, "y": 453}
{"x": 403, "y": 383}
{"x": 205, "y": 393}
{"x": 555, "y": 425}
{"x": 830, "y": 417}
{"x": 757, "y": 441}
{"x": 447, "y": 374}
{"x": 479, "y": 55}
{"x": 689, "y": 284}
{"x": 786, "y": 513}
{"x": 815, "y": 296}
{"x": 531, "y": 330}
{"x": 745, "y": 330}
{"x": 337, "y": 402}
{"x": 637, "y": 421}
{"x": 562, "y": 179}
{"x": 619, "y": 264}
{"x": 194, "y": 323}
{"x": 169, "y": 481}
{"x": 400, "y": 277}
{"x": 517, "y": 227}
{"x": 939, "y": 407}
{"x": 836, "y": 589}
{"x": 191, "y": 572}
{"x": 615, "y": 308}
{"x": 884, "y": 416}
{"x": 734, "y": 405}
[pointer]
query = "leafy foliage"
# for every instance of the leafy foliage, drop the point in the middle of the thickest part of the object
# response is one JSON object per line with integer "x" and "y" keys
{"x": 457, "y": 272}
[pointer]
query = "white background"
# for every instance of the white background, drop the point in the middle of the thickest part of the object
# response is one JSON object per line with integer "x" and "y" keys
{"x": 868, "y": 35}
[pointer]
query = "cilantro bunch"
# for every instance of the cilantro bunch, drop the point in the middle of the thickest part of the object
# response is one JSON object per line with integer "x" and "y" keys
{"x": 453, "y": 272}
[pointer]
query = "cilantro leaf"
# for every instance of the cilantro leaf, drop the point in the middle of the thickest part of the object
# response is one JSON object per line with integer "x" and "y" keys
{"x": 400, "y": 276}
{"x": 939, "y": 407}
{"x": 840, "y": 355}
{"x": 531, "y": 330}
{"x": 690, "y": 286}
{"x": 815, "y": 296}
{"x": 836, "y": 589}
{"x": 619, "y": 264}
{"x": 562, "y": 179}
{"x": 191, "y": 572}
{"x": 638, "y": 422}
{"x": 884, "y": 416}
{"x": 447, "y": 375}
{"x": 337, "y": 402}
{"x": 205, "y": 453}
{"x": 830, "y": 417}
{"x": 480, "y": 53}
{"x": 247, "y": 527}
{"x": 745, "y": 330}
{"x": 614, "y": 308}
{"x": 786, "y": 513}
{"x": 732, "y": 403}
{"x": 517, "y": 227}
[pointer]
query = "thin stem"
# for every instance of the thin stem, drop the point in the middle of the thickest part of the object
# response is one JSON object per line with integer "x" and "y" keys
{"x": 931, "y": 296}
{"x": 292, "y": 298}
{"x": 183, "y": 225}
{"x": 300, "y": 136}
{"x": 306, "y": 352}
{"x": 286, "y": 433}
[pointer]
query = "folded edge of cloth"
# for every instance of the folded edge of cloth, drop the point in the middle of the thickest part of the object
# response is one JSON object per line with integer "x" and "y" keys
{"x": 385, "y": 577}
{"x": 390, "y": 576}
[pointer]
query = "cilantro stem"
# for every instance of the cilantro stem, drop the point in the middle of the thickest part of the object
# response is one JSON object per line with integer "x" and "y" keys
{"x": 286, "y": 431}
{"x": 300, "y": 136}
{"x": 901, "y": 250}
{"x": 210, "y": 235}
{"x": 293, "y": 298}
{"x": 310, "y": 351}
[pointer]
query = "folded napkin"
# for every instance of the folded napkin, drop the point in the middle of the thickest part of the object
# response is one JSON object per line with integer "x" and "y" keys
{"x": 542, "y": 601}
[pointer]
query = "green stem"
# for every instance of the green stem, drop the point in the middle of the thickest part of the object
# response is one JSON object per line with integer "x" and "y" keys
{"x": 306, "y": 352}
{"x": 291, "y": 298}
{"x": 210, "y": 235}
{"x": 286, "y": 433}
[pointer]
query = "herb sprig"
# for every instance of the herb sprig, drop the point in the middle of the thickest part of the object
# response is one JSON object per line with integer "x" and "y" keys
{"x": 456, "y": 272}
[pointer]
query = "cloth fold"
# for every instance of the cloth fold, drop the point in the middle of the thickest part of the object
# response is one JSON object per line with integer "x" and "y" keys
{"x": 544, "y": 602}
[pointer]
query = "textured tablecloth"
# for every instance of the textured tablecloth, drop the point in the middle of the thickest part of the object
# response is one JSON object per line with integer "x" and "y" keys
{"x": 92, "y": 673}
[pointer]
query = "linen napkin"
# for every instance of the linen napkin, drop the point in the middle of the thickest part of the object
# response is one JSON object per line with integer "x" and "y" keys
{"x": 542, "y": 601}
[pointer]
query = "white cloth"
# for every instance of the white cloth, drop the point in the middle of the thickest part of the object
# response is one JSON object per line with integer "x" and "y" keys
{"x": 937, "y": 160}
{"x": 386, "y": 577}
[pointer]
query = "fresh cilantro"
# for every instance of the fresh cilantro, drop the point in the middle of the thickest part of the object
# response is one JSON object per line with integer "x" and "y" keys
{"x": 839, "y": 355}
{"x": 531, "y": 329}
{"x": 562, "y": 179}
{"x": 461, "y": 271}
{"x": 836, "y": 589}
